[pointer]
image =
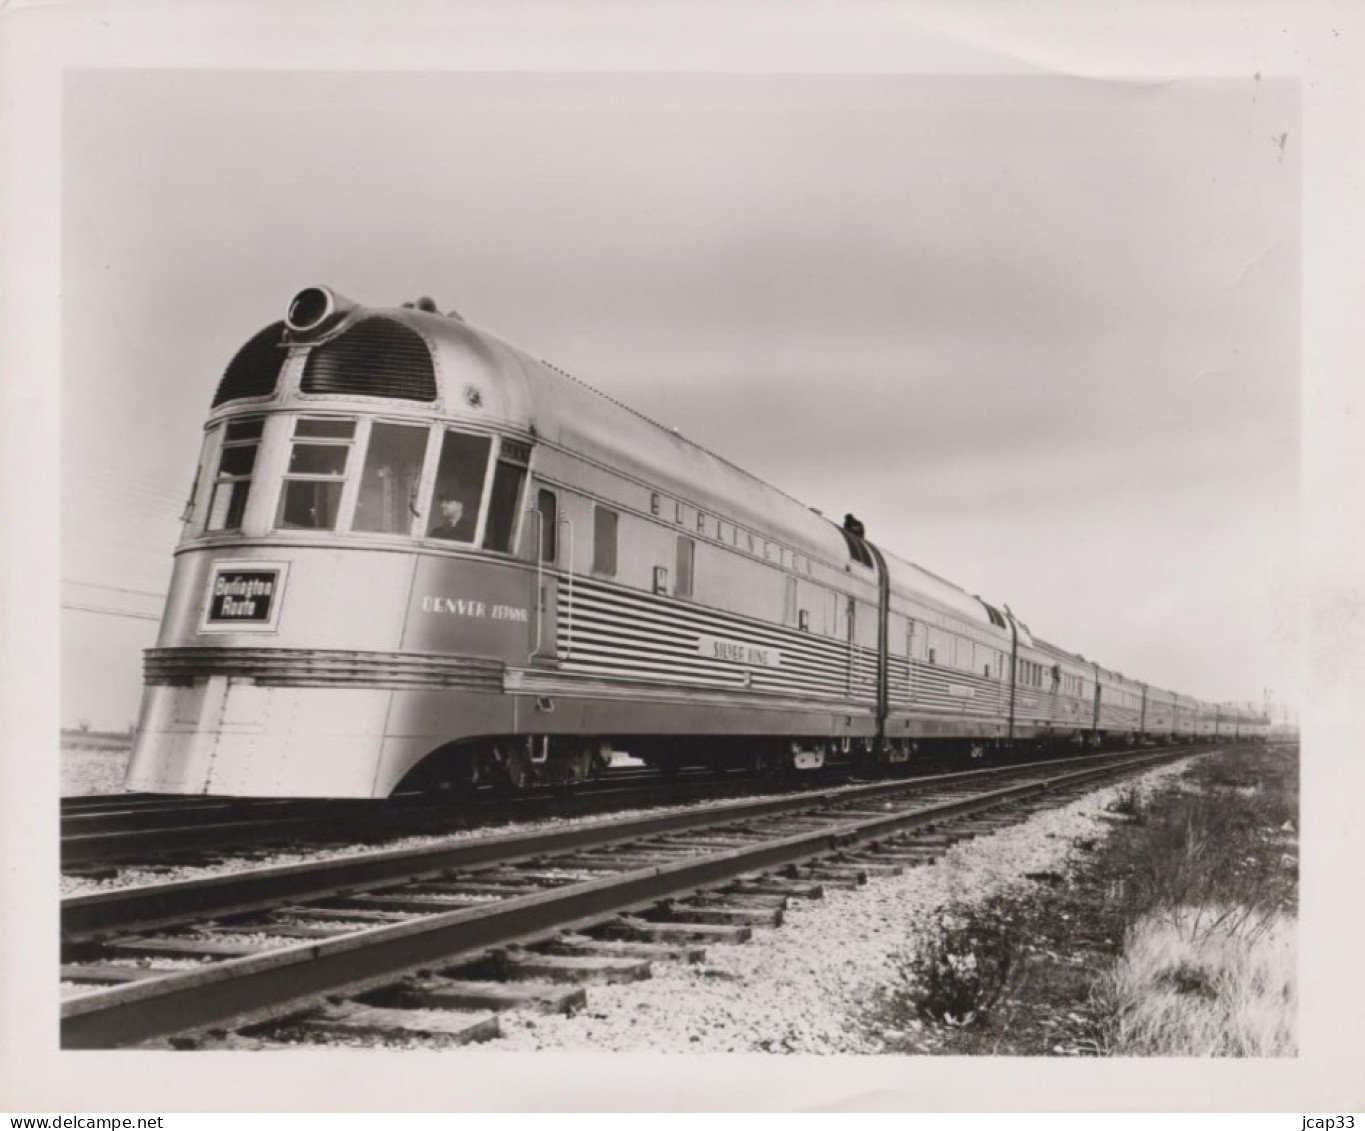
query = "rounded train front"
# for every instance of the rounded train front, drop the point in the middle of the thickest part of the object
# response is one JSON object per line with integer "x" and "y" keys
{"x": 345, "y": 597}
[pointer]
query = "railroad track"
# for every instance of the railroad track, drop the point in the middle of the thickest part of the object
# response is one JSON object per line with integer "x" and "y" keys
{"x": 98, "y": 836}
{"x": 413, "y": 941}
{"x": 102, "y": 834}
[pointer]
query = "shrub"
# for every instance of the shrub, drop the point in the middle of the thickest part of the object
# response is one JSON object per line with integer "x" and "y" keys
{"x": 964, "y": 963}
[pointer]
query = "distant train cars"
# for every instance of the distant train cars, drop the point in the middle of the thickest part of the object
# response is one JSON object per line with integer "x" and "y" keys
{"x": 416, "y": 555}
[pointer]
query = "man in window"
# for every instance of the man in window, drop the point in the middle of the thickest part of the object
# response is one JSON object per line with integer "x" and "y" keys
{"x": 454, "y": 526}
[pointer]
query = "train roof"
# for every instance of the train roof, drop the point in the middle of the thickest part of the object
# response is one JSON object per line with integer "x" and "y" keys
{"x": 580, "y": 418}
{"x": 476, "y": 376}
{"x": 480, "y": 378}
{"x": 523, "y": 392}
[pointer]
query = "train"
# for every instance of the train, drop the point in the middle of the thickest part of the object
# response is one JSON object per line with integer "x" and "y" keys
{"x": 415, "y": 556}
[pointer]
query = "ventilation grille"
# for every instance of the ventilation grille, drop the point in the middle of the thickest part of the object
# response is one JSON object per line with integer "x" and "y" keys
{"x": 376, "y": 357}
{"x": 255, "y": 371}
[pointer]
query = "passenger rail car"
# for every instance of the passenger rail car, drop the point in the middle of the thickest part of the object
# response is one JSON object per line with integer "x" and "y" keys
{"x": 415, "y": 554}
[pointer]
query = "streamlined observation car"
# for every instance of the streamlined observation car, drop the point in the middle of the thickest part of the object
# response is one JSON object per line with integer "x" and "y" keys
{"x": 414, "y": 553}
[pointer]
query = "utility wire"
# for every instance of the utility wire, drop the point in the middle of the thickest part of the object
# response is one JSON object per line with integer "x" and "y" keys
{"x": 110, "y": 612}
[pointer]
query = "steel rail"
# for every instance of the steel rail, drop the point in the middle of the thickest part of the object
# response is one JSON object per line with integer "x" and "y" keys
{"x": 160, "y": 905}
{"x": 100, "y": 838}
{"x": 289, "y": 978}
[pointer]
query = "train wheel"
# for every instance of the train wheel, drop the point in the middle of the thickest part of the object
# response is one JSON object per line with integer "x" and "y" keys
{"x": 514, "y": 764}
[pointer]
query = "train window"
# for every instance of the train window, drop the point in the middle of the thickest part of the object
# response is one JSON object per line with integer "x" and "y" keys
{"x": 508, "y": 479}
{"x": 388, "y": 486}
{"x": 241, "y": 438}
{"x": 933, "y": 655}
{"x": 677, "y": 512}
{"x": 789, "y": 600}
{"x": 604, "y": 541}
{"x": 327, "y": 428}
{"x": 686, "y": 559}
{"x": 655, "y": 505}
{"x": 751, "y": 542}
{"x": 701, "y": 523}
{"x": 803, "y": 620}
{"x": 721, "y": 533}
{"x": 311, "y": 495}
{"x": 460, "y": 477}
{"x": 549, "y": 531}
{"x": 661, "y": 580}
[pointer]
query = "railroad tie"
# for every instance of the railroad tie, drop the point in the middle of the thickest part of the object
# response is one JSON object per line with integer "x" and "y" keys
{"x": 417, "y": 904}
{"x": 727, "y": 897}
{"x": 910, "y": 856}
{"x": 496, "y": 997}
{"x": 520, "y": 965}
{"x": 471, "y": 887}
{"x": 776, "y": 885}
{"x": 186, "y": 948}
{"x": 733, "y": 914}
{"x": 358, "y": 917}
{"x": 870, "y": 865}
{"x": 287, "y": 930}
{"x": 648, "y": 931}
{"x": 832, "y": 875}
{"x": 448, "y": 1026}
{"x": 117, "y": 975}
{"x": 584, "y": 946}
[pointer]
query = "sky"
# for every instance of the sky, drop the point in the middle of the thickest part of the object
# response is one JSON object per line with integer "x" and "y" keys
{"x": 1041, "y": 334}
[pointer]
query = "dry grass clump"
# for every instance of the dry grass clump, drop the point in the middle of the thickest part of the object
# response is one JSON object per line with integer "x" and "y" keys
{"x": 1204, "y": 982}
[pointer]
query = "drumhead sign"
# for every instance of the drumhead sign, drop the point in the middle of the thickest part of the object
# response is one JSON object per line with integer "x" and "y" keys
{"x": 244, "y": 596}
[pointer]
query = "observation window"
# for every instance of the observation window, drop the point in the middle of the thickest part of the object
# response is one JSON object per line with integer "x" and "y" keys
{"x": 503, "y": 507}
{"x": 387, "y": 502}
{"x": 311, "y": 495}
{"x": 458, "y": 495}
{"x": 236, "y": 462}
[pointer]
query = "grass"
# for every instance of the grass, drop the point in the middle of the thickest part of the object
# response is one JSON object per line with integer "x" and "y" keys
{"x": 1204, "y": 982}
{"x": 1172, "y": 936}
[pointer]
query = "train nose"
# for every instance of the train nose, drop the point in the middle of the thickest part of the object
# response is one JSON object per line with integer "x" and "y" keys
{"x": 315, "y": 308}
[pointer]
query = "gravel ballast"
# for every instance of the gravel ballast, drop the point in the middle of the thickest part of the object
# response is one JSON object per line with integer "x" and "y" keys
{"x": 804, "y": 987}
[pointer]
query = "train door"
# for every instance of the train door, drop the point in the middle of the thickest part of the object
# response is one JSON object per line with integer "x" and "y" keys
{"x": 1095, "y": 724}
{"x": 851, "y": 614}
{"x": 545, "y": 530}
